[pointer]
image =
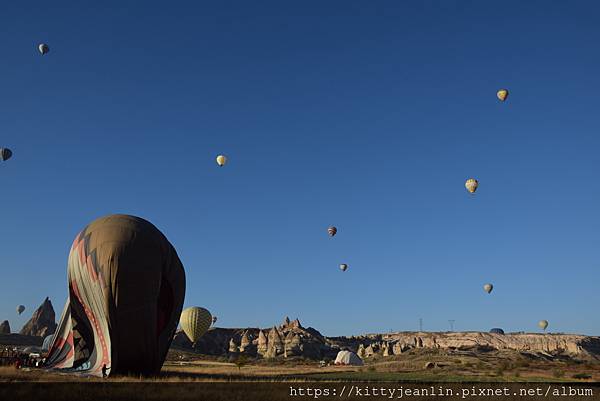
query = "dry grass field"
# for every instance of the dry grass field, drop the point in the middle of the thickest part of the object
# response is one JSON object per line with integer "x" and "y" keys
{"x": 495, "y": 366}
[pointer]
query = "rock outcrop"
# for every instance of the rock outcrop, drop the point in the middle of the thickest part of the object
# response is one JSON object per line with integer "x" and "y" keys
{"x": 291, "y": 340}
{"x": 42, "y": 323}
{"x": 5, "y": 327}
{"x": 288, "y": 340}
{"x": 564, "y": 344}
{"x": 275, "y": 344}
{"x": 262, "y": 344}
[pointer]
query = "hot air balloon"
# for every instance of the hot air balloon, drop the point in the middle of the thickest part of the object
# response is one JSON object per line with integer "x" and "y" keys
{"x": 343, "y": 267}
{"x": 488, "y": 288}
{"x": 502, "y": 94}
{"x": 126, "y": 287}
{"x": 214, "y": 320}
{"x": 47, "y": 343}
{"x": 332, "y": 231}
{"x": 221, "y": 160}
{"x": 471, "y": 184}
{"x": 195, "y": 321}
{"x": 543, "y": 324}
{"x": 5, "y": 154}
{"x": 20, "y": 309}
{"x": 43, "y": 48}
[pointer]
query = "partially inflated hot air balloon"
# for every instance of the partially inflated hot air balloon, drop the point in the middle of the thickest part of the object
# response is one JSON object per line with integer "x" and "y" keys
{"x": 332, "y": 231}
{"x": 488, "y": 288}
{"x": 343, "y": 267}
{"x": 502, "y": 94}
{"x": 43, "y": 48}
{"x": 5, "y": 154}
{"x": 195, "y": 322}
{"x": 126, "y": 291}
{"x": 221, "y": 160}
{"x": 543, "y": 324}
{"x": 20, "y": 309}
{"x": 471, "y": 184}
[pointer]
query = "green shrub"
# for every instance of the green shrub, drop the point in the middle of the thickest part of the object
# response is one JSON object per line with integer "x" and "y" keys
{"x": 582, "y": 376}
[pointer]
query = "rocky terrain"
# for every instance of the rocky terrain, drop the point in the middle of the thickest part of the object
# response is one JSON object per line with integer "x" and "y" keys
{"x": 287, "y": 340}
{"x": 42, "y": 323}
{"x": 291, "y": 339}
{"x": 5, "y": 327}
{"x": 552, "y": 345}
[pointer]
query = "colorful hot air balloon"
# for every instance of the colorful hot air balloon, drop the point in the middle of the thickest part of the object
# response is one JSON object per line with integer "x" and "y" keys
{"x": 343, "y": 267}
{"x": 43, "y": 48}
{"x": 502, "y": 94}
{"x": 20, "y": 309}
{"x": 471, "y": 184}
{"x": 126, "y": 290}
{"x": 332, "y": 231}
{"x": 5, "y": 154}
{"x": 195, "y": 321}
{"x": 488, "y": 288}
{"x": 221, "y": 160}
{"x": 543, "y": 324}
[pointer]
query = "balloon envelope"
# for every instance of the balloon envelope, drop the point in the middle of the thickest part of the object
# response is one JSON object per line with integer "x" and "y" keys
{"x": 126, "y": 287}
{"x": 343, "y": 267}
{"x": 20, "y": 309}
{"x": 488, "y": 288}
{"x": 5, "y": 154}
{"x": 471, "y": 184}
{"x": 221, "y": 160}
{"x": 502, "y": 94}
{"x": 195, "y": 322}
{"x": 543, "y": 324}
{"x": 43, "y": 48}
{"x": 332, "y": 231}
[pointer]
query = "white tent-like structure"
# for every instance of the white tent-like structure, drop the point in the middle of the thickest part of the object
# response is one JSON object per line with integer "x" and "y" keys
{"x": 348, "y": 358}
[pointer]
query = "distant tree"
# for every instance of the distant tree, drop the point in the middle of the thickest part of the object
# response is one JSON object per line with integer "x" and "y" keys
{"x": 241, "y": 361}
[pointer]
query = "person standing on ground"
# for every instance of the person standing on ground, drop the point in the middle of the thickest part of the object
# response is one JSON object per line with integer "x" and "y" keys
{"x": 104, "y": 370}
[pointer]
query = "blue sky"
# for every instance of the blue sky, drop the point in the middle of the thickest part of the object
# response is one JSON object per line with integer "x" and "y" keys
{"x": 368, "y": 117}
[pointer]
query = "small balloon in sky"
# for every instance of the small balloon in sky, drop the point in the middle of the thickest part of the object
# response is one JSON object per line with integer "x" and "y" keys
{"x": 502, "y": 94}
{"x": 471, "y": 184}
{"x": 43, "y": 48}
{"x": 221, "y": 160}
{"x": 5, "y": 154}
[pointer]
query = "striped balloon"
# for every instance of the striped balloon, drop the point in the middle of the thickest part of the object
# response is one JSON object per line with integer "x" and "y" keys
{"x": 471, "y": 185}
{"x": 332, "y": 231}
{"x": 195, "y": 322}
{"x": 5, "y": 154}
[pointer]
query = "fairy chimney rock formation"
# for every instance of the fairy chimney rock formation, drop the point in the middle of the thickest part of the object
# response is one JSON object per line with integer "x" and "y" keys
{"x": 275, "y": 346}
{"x": 5, "y": 327}
{"x": 42, "y": 322}
{"x": 263, "y": 344}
